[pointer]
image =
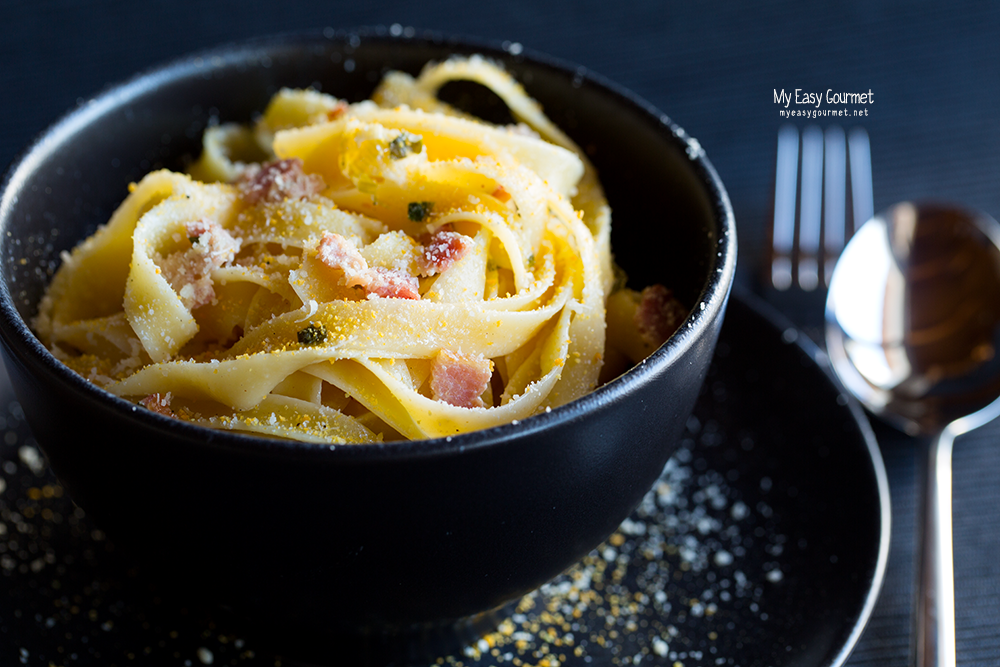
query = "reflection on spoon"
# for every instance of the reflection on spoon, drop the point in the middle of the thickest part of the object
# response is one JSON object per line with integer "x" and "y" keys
{"x": 913, "y": 331}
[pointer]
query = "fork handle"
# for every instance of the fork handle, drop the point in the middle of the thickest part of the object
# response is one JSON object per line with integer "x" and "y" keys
{"x": 935, "y": 614}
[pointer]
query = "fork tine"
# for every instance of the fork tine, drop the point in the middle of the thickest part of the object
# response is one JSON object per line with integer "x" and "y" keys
{"x": 861, "y": 175}
{"x": 783, "y": 228}
{"x": 810, "y": 208}
{"x": 820, "y": 188}
{"x": 834, "y": 198}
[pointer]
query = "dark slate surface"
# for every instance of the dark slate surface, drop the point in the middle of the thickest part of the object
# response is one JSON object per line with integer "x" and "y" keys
{"x": 933, "y": 69}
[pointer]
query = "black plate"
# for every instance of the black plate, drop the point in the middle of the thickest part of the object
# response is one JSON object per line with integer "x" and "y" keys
{"x": 763, "y": 543}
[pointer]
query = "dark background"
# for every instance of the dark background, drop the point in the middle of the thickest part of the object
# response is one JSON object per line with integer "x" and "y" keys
{"x": 934, "y": 70}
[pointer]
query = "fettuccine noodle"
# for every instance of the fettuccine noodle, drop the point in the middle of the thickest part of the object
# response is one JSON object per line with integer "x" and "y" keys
{"x": 346, "y": 273}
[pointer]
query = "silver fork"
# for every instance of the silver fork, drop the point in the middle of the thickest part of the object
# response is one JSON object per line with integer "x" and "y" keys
{"x": 811, "y": 222}
{"x": 814, "y": 215}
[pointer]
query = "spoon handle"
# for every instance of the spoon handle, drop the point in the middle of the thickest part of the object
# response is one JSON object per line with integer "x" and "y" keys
{"x": 935, "y": 617}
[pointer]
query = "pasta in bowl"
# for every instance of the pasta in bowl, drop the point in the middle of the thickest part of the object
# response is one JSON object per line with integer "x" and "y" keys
{"x": 387, "y": 269}
{"x": 304, "y": 538}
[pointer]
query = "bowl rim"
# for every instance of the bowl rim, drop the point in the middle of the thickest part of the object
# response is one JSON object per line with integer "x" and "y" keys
{"x": 20, "y": 341}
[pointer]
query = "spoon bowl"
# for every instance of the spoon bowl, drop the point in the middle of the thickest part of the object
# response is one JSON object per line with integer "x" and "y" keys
{"x": 913, "y": 331}
{"x": 913, "y": 315}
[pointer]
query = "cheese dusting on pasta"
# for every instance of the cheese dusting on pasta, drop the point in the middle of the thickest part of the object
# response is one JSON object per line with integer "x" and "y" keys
{"x": 348, "y": 273}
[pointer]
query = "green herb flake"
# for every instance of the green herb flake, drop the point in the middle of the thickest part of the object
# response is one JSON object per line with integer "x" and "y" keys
{"x": 193, "y": 239}
{"x": 314, "y": 334}
{"x": 405, "y": 144}
{"x": 419, "y": 210}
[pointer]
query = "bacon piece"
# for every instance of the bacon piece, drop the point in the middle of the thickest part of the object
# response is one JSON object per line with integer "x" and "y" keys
{"x": 277, "y": 181}
{"x": 158, "y": 403}
{"x": 459, "y": 379}
{"x": 390, "y": 284}
{"x": 338, "y": 253}
{"x": 658, "y": 315}
{"x": 440, "y": 250}
{"x": 338, "y": 110}
{"x": 501, "y": 194}
{"x": 189, "y": 271}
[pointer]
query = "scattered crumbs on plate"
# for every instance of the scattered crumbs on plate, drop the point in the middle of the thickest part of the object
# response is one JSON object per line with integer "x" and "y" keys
{"x": 667, "y": 588}
{"x": 672, "y": 586}
{"x": 66, "y": 597}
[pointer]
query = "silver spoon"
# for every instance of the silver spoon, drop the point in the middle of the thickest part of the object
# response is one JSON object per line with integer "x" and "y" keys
{"x": 913, "y": 331}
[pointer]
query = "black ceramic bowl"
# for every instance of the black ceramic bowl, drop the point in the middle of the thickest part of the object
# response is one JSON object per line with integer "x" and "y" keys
{"x": 304, "y": 539}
